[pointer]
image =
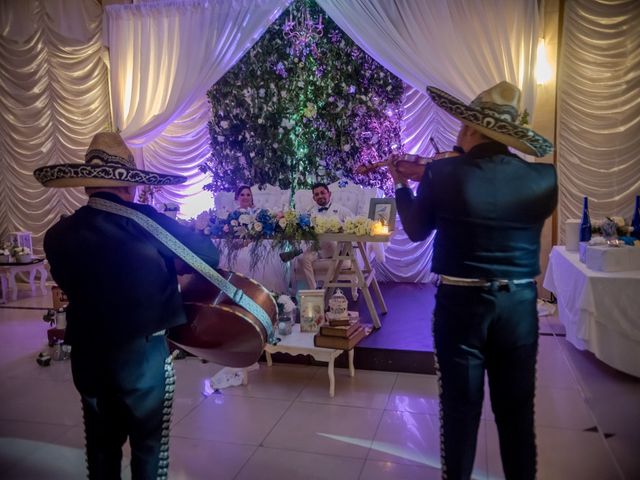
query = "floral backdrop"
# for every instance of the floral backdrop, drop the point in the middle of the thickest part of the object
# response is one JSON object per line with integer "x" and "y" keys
{"x": 305, "y": 104}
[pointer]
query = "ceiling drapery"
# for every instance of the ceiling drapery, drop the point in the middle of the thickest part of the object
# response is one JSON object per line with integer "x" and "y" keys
{"x": 164, "y": 58}
{"x": 599, "y": 109}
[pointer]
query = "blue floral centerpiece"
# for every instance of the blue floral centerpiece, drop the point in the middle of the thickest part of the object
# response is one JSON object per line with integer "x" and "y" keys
{"x": 284, "y": 230}
{"x": 241, "y": 228}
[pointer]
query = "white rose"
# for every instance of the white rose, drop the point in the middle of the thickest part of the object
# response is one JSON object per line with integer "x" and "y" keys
{"x": 257, "y": 226}
{"x": 287, "y": 303}
{"x": 244, "y": 219}
{"x": 282, "y": 222}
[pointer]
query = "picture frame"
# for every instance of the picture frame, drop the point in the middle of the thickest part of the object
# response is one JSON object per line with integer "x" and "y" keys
{"x": 384, "y": 210}
{"x": 311, "y": 309}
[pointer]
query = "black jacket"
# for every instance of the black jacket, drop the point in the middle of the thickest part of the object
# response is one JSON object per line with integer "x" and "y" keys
{"x": 121, "y": 282}
{"x": 488, "y": 207}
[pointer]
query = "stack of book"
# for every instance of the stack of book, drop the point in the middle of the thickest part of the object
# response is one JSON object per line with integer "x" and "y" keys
{"x": 341, "y": 334}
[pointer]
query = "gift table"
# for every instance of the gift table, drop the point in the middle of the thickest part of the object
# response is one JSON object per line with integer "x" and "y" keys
{"x": 301, "y": 343}
{"x": 8, "y": 272}
{"x": 600, "y": 310}
{"x": 365, "y": 277}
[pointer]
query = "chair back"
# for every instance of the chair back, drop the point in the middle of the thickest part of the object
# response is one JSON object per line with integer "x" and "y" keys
{"x": 354, "y": 197}
{"x": 269, "y": 197}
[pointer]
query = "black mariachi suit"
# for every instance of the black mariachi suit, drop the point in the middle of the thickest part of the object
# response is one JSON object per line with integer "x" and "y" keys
{"x": 488, "y": 207}
{"x": 122, "y": 288}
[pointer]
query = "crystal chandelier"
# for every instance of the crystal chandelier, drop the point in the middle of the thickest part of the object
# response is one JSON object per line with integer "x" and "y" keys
{"x": 302, "y": 31}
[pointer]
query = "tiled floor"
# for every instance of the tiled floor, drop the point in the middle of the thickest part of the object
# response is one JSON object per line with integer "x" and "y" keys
{"x": 283, "y": 425}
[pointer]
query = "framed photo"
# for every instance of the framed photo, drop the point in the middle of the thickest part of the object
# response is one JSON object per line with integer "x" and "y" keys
{"x": 383, "y": 210}
{"x": 311, "y": 310}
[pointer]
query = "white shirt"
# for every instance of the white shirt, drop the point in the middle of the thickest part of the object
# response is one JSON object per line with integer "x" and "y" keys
{"x": 331, "y": 210}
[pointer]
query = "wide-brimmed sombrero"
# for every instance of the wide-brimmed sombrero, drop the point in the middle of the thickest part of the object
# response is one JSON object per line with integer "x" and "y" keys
{"x": 107, "y": 163}
{"x": 495, "y": 113}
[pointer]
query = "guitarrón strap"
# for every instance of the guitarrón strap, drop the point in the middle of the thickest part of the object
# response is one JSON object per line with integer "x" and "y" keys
{"x": 177, "y": 247}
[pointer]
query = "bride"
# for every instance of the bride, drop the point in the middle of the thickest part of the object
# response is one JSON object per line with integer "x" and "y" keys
{"x": 271, "y": 272}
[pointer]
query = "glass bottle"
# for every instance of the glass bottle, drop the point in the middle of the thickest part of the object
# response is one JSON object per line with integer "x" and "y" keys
{"x": 585, "y": 224}
{"x": 635, "y": 222}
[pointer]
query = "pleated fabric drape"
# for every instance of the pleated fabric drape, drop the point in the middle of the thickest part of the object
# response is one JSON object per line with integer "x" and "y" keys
{"x": 598, "y": 130}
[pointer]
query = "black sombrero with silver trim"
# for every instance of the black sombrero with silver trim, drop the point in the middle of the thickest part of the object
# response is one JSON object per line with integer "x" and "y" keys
{"x": 495, "y": 114}
{"x": 108, "y": 163}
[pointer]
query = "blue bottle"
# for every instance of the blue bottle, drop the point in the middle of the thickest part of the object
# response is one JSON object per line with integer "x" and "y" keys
{"x": 635, "y": 223}
{"x": 585, "y": 224}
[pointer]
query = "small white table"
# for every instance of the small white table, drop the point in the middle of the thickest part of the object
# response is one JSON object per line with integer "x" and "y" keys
{"x": 301, "y": 343}
{"x": 600, "y": 310}
{"x": 8, "y": 273}
{"x": 365, "y": 278}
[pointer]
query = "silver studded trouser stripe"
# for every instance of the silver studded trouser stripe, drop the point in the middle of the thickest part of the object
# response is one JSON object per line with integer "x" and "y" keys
{"x": 127, "y": 392}
{"x": 493, "y": 331}
{"x": 167, "y": 405}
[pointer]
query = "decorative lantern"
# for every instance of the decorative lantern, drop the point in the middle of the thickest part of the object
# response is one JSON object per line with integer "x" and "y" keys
{"x": 338, "y": 306}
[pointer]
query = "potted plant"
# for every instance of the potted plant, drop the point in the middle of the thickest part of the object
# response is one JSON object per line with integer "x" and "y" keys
{"x": 22, "y": 255}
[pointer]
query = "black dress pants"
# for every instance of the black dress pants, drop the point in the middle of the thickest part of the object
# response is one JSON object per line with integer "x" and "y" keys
{"x": 492, "y": 329}
{"x": 127, "y": 392}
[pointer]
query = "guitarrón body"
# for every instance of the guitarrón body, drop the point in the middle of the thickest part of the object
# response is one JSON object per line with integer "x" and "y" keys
{"x": 218, "y": 329}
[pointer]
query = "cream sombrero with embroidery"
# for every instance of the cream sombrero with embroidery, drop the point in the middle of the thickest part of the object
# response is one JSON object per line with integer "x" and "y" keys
{"x": 107, "y": 163}
{"x": 495, "y": 114}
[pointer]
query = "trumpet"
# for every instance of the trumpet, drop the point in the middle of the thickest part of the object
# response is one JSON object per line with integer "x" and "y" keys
{"x": 409, "y": 165}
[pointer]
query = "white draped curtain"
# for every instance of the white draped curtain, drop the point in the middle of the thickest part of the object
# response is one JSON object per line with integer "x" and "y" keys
{"x": 53, "y": 98}
{"x": 164, "y": 58}
{"x": 598, "y": 141}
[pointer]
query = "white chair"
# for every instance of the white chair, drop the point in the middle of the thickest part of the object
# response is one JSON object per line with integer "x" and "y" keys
{"x": 355, "y": 198}
{"x": 272, "y": 198}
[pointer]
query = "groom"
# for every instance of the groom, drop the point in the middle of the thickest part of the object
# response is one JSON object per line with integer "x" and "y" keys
{"x": 323, "y": 207}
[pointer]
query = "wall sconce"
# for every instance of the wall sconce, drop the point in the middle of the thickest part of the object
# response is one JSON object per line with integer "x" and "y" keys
{"x": 543, "y": 69}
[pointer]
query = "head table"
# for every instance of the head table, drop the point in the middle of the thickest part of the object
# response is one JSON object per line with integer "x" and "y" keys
{"x": 8, "y": 272}
{"x": 600, "y": 310}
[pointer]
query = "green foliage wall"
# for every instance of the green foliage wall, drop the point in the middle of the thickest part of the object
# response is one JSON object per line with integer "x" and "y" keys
{"x": 289, "y": 114}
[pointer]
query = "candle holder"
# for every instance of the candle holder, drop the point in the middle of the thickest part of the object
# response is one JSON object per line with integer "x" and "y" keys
{"x": 311, "y": 310}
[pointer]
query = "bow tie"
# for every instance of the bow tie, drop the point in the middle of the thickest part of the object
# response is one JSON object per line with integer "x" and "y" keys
{"x": 322, "y": 209}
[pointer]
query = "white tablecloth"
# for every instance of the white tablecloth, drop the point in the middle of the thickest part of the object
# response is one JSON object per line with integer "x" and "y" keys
{"x": 271, "y": 272}
{"x": 600, "y": 310}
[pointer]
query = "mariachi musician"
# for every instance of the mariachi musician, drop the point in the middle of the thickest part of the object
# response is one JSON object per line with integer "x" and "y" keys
{"x": 488, "y": 206}
{"x": 117, "y": 262}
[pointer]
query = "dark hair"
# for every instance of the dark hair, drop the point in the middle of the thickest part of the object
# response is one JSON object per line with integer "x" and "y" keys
{"x": 240, "y": 189}
{"x": 320, "y": 185}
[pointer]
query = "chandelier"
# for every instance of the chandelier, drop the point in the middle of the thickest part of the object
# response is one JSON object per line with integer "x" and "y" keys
{"x": 302, "y": 31}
